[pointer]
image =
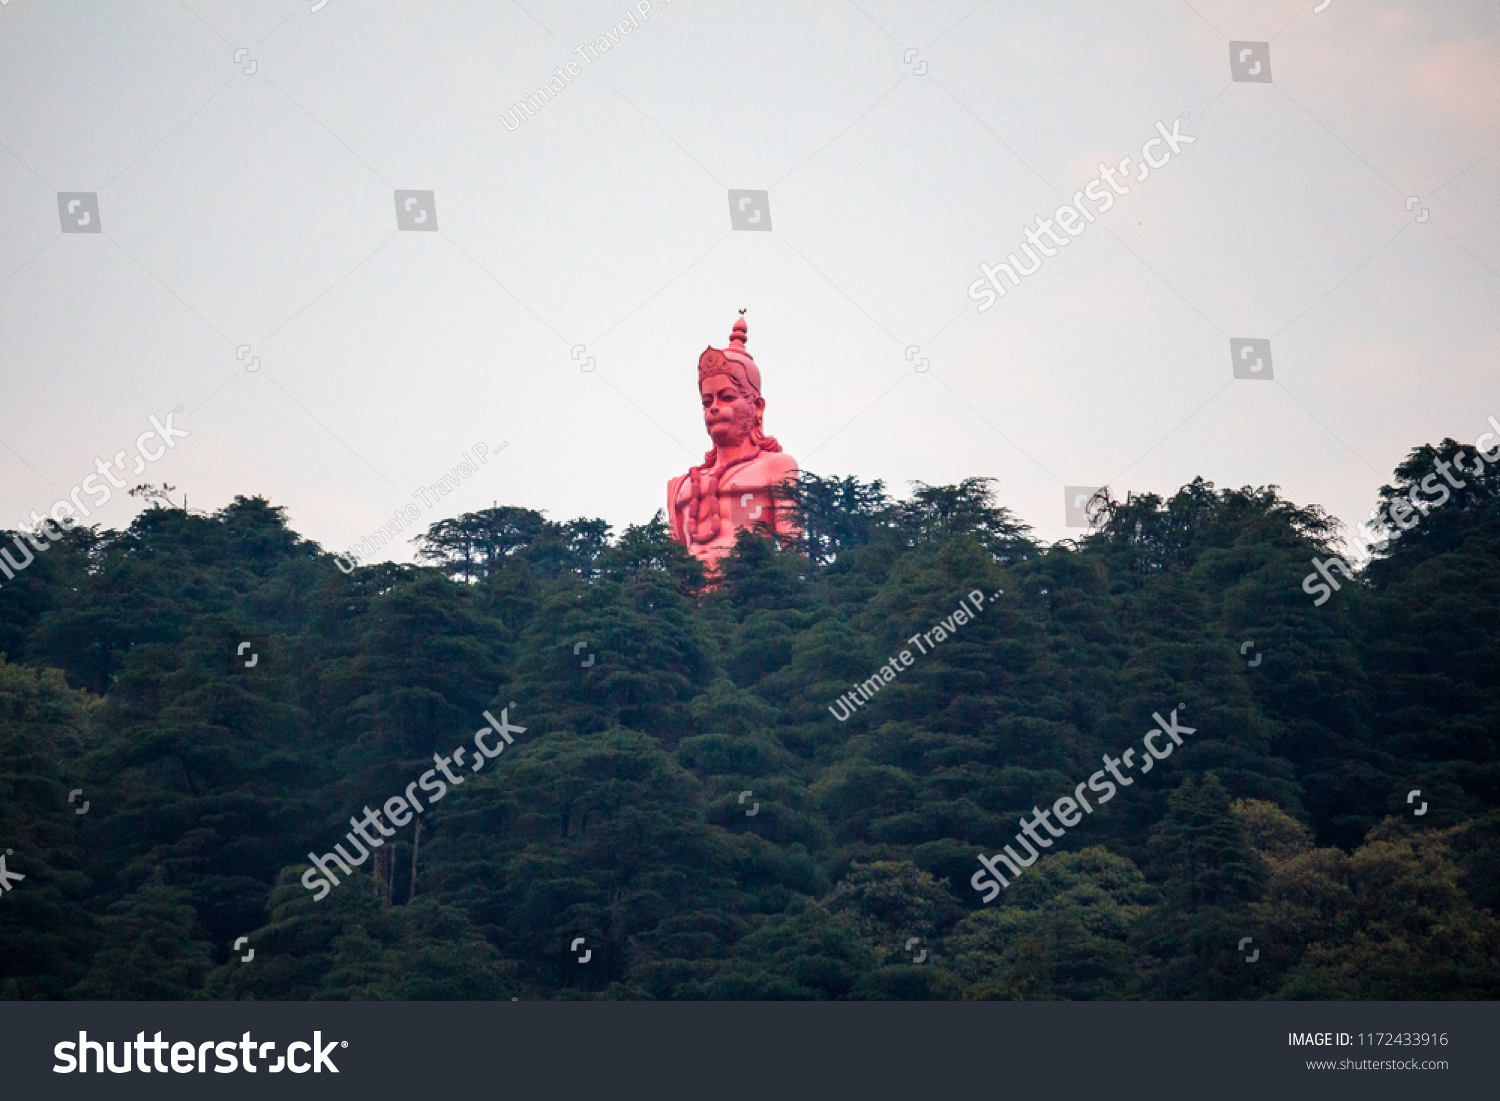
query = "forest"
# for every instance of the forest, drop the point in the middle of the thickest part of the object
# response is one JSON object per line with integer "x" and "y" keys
{"x": 681, "y": 813}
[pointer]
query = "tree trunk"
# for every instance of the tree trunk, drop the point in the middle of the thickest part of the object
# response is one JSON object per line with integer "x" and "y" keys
{"x": 382, "y": 871}
{"x": 415, "y": 842}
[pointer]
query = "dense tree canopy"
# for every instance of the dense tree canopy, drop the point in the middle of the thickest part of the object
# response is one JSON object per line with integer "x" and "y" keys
{"x": 684, "y": 796}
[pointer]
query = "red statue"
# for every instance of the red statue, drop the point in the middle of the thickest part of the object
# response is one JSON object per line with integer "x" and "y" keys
{"x": 731, "y": 490}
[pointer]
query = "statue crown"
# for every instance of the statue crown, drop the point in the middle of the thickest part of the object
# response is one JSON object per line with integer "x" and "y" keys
{"x": 732, "y": 360}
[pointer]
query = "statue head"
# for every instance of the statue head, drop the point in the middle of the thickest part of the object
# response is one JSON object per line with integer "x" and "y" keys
{"x": 729, "y": 385}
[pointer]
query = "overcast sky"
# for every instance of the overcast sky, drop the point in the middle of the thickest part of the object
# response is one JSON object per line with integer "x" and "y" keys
{"x": 257, "y": 208}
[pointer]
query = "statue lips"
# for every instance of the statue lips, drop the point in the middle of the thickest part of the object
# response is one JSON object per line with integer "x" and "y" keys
{"x": 722, "y": 430}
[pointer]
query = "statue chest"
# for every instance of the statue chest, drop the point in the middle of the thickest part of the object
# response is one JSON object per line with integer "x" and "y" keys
{"x": 739, "y": 499}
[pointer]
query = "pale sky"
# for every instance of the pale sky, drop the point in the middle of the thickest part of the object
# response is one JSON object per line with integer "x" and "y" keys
{"x": 257, "y": 208}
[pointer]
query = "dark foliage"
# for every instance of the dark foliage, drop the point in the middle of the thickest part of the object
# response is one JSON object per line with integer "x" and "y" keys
{"x": 684, "y": 796}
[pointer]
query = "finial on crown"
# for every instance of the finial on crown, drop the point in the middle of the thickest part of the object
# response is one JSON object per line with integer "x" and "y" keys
{"x": 741, "y": 330}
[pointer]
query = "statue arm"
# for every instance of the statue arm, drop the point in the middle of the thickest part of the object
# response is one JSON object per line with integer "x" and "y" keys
{"x": 674, "y": 517}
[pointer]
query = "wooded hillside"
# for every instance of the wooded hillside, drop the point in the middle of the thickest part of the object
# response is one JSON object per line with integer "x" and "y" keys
{"x": 618, "y": 816}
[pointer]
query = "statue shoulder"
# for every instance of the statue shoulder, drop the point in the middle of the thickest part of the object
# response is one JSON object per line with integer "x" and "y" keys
{"x": 779, "y": 464}
{"x": 766, "y": 469}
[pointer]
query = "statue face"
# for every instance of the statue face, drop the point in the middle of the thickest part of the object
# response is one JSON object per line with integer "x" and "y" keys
{"x": 728, "y": 414}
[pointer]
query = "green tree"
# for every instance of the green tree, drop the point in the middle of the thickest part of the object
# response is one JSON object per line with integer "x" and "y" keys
{"x": 1065, "y": 932}
{"x": 150, "y": 949}
{"x": 46, "y": 932}
{"x": 1211, "y": 874}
